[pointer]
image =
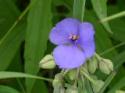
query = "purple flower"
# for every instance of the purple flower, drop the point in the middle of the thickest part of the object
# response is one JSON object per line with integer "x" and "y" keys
{"x": 75, "y": 42}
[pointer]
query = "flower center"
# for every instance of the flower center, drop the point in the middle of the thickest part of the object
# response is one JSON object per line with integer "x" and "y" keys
{"x": 74, "y": 37}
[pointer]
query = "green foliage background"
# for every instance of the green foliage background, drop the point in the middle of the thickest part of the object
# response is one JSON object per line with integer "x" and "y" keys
{"x": 24, "y": 30}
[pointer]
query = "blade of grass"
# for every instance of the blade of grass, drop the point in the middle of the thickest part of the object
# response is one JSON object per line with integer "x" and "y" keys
{"x": 21, "y": 85}
{"x": 104, "y": 43}
{"x": 11, "y": 44}
{"x": 78, "y": 9}
{"x": 121, "y": 14}
{"x": 100, "y": 7}
{"x": 12, "y": 40}
{"x": 113, "y": 48}
{"x": 118, "y": 60}
{"x": 39, "y": 23}
{"x": 7, "y": 7}
{"x": 7, "y": 43}
{"x": 5, "y": 75}
{"x": 107, "y": 82}
{"x": 117, "y": 86}
{"x": 7, "y": 89}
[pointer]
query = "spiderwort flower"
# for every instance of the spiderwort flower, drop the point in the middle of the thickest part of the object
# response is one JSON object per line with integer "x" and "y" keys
{"x": 75, "y": 42}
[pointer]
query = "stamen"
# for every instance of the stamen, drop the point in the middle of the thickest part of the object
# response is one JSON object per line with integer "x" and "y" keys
{"x": 73, "y": 37}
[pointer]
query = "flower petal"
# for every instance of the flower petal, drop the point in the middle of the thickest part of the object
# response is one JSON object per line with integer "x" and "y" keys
{"x": 86, "y": 40}
{"x": 68, "y": 57}
{"x": 86, "y": 32}
{"x": 88, "y": 48}
{"x": 61, "y": 32}
{"x": 58, "y": 37}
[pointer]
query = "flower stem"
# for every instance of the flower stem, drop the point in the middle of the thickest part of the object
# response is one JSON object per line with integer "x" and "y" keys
{"x": 77, "y": 76}
{"x": 120, "y": 14}
{"x": 89, "y": 87}
{"x": 87, "y": 76}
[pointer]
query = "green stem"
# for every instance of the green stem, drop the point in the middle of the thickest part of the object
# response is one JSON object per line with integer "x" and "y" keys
{"x": 88, "y": 77}
{"x": 89, "y": 87}
{"x": 64, "y": 72}
{"x": 77, "y": 77}
{"x": 113, "y": 17}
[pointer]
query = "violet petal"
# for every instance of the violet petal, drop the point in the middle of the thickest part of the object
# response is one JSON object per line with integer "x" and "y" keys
{"x": 86, "y": 32}
{"x": 61, "y": 32}
{"x": 88, "y": 48}
{"x": 68, "y": 57}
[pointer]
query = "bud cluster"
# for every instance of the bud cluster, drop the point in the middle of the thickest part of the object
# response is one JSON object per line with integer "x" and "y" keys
{"x": 75, "y": 80}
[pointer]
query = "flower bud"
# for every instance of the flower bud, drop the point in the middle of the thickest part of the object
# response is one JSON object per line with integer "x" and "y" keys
{"x": 62, "y": 90}
{"x": 72, "y": 74}
{"x": 92, "y": 65}
{"x": 58, "y": 84}
{"x": 59, "y": 89}
{"x": 72, "y": 89}
{"x": 47, "y": 62}
{"x": 97, "y": 86}
{"x": 58, "y": 80}
{"x": 106, "y": 66}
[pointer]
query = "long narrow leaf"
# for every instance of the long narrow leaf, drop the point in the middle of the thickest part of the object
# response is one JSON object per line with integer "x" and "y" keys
{"x": 10, "y": 45}
{"x": 7, "y": 89}
{"x": 100, "y": 7}
{"x": 10, "y": 38}
{"x": 39, "y": 23}
{"x": 78, "y": 9}
{"x": 5, "y": 75}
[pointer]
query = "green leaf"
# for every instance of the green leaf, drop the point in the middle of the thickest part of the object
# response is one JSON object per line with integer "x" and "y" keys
{"x": 103, "y": 41}
{"x": 7, "y": 7}
{"x": 5, "y": 75}
{"x": 117, "y": 86}
{"x": 78, "y": 9}
{"x": 10, "y": 38}
{"x": 118, "y": 60}
{"x": 6, "y": 89}
{"x": 120, "y": 74}
{"x": 16, "y": 63}
{"x": 38, "y": 27}
{"x": 107, "y": 82}
{"x": 117, "y": 25}
{"x": 37, "y": 87}
{"x": 100, "y": 7}
{"x": 10, "y": 44}
{"x": 121, "y": 5}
